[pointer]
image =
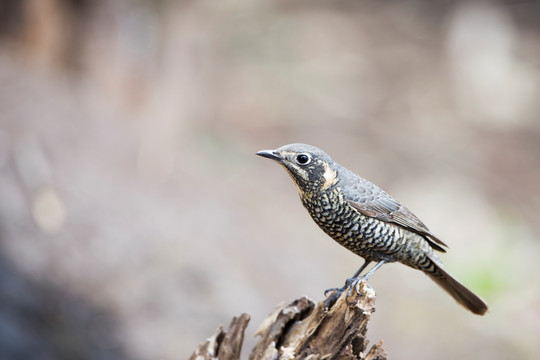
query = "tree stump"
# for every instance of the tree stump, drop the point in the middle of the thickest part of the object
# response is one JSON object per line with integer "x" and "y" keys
{"x": 303, "y": 330}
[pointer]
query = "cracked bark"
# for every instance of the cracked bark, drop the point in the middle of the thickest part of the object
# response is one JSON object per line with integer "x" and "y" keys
{"x": 303, "y": 329}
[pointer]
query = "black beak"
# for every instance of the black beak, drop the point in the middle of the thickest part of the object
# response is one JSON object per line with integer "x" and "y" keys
{"x": 271, "y": 154}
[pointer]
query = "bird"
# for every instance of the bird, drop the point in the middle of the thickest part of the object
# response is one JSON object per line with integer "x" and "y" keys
{"x": 367, "y": 221}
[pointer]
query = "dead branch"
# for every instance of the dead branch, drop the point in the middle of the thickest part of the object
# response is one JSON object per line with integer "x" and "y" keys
{"x": 303, "y": 330}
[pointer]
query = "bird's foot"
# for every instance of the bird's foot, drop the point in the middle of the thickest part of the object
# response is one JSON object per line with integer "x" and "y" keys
{"x": 332, "y": 299}
{"x": 349, "y": 284}
{"x": 356, "y": 284}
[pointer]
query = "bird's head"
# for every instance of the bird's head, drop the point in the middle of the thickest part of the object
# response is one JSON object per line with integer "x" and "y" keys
{"x": 310, "y": 167}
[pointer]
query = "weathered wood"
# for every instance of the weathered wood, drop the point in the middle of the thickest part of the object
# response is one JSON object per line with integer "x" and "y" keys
{"x": 304, "y": 330}
{"x": 224, "y": 345}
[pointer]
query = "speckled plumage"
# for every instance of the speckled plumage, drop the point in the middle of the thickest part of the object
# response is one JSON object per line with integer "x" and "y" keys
{"x": 365, "y": 219}
{"x": 372, "y": 239}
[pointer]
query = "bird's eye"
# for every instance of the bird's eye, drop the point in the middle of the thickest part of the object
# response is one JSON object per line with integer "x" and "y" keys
{"x": 303, "y": 159}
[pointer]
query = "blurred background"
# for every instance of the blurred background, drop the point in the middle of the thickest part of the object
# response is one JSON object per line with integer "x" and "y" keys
{"x": 135, "y": 217}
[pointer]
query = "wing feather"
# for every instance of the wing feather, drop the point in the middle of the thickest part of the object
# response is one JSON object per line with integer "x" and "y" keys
{"x": 371, "y": 201}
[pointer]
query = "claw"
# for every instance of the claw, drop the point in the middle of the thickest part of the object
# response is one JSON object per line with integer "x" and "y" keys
{"x": 355, "y": 284}
{"x": 337, "y": 292}
{"x": 328, "y": 303}
{"x": 351, "y": 283}
{"x": 331, "y": 289}
{"x": 358, "y": 285}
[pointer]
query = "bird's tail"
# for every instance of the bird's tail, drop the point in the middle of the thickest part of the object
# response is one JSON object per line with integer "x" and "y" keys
{"x": 456, "y": 289}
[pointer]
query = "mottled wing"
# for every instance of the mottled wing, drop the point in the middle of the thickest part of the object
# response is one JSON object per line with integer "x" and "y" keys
{"x": 371, "y": 201}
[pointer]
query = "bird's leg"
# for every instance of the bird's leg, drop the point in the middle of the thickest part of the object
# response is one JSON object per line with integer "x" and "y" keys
{"x": 356, "y": 281}
{"x": 348, "y": 282}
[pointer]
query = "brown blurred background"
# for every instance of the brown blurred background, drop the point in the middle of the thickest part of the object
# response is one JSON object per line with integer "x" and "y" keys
{"x": 135, "y": 217}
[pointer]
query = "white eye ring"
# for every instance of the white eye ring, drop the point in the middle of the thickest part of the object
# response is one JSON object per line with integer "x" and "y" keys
{"x": 302, "y": 159}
